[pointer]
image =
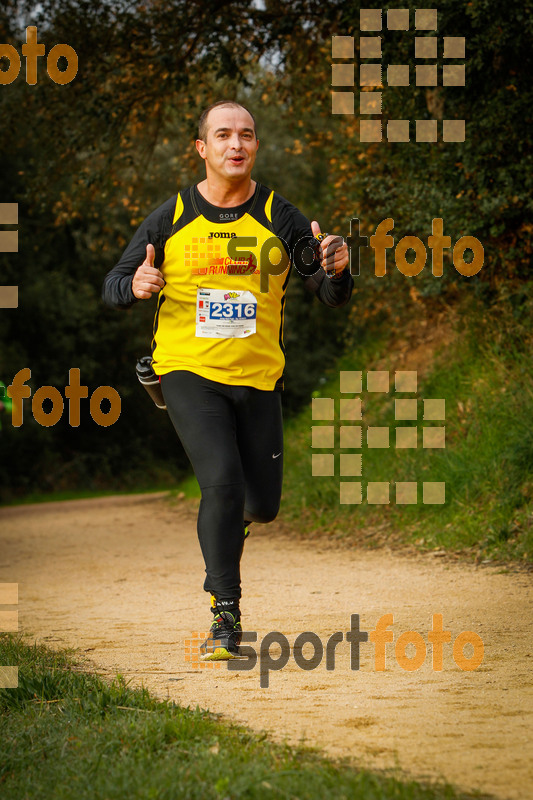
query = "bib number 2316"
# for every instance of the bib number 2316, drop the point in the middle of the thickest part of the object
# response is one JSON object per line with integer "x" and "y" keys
{"x": 222, "y": 314}
{"x": 232, "y": 310}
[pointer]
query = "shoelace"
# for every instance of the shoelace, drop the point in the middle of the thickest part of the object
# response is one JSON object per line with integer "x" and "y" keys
{"x": 222, "y": 624}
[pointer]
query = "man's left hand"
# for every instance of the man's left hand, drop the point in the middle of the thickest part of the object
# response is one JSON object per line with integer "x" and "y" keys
{"x": 334, "y": 252}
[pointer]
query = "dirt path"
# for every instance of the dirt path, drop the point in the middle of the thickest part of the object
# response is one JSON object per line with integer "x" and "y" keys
{"x": 120, "y": 578}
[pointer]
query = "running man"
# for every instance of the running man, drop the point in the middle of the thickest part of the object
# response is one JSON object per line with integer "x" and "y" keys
{"x": 218, "y": 338}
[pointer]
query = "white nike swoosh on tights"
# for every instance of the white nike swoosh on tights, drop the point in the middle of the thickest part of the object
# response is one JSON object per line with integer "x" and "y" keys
{"x": 276, "y": 456}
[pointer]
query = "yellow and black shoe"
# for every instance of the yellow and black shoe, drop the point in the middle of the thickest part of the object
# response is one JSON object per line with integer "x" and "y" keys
{"x": 224, "y": 637}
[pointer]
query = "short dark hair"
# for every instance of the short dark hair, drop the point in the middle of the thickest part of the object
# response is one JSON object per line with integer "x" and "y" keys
{"x": 202, "y": 122}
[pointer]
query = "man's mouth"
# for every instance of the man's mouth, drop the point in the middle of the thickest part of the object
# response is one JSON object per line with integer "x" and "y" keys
{"x": 237, "y": 159}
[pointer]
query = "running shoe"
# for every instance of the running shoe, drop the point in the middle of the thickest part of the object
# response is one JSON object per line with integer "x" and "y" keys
{"x": 224, "y": 638}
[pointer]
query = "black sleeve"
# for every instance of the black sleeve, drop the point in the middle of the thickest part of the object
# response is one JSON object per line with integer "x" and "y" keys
{"x": 292, "y": 226}
{"x": 116, "y": 291}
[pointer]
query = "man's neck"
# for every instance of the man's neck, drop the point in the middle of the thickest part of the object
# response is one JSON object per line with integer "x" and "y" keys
{"x": 224, "y": 195}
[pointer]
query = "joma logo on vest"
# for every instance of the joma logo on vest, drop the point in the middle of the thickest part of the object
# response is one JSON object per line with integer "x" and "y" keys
{"x": 221, "y": 235}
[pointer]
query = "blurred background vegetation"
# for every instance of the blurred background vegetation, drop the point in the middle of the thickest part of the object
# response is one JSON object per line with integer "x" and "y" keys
{"x": 86, "y": 162}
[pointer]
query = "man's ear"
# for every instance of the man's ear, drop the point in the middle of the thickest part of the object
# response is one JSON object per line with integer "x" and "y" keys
{"x": 200, "y": 146}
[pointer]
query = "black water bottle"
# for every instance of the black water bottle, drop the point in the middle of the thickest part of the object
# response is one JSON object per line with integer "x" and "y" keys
{"x": 150, "y": 381}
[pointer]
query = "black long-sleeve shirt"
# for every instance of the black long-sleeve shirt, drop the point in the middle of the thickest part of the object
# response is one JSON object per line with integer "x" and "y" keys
{"x": 288, "y": 222}
{"x": 213, "y": 317}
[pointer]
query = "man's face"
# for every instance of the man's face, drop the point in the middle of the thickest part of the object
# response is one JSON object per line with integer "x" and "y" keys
{"x": 230, "y": 147}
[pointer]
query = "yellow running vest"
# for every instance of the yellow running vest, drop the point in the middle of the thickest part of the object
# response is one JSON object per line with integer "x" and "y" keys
{"x": 212, "y": 318}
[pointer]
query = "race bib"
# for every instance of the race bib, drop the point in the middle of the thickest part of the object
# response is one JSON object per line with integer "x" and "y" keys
{"x": 222, "y": 314}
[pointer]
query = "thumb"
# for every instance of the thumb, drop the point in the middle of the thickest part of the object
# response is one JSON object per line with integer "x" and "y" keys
{"x": 315, "y": 227}
{"x": 150, "y": 255}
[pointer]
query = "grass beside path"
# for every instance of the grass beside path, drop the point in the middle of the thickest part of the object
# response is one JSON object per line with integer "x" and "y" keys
{"x": 68, "y": 734}
{"x": 483, "y": 374}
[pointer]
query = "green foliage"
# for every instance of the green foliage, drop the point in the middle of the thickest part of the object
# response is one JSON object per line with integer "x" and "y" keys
{"x": 86, "y": 162}
{"x": 480, "y": 187}
{"x": 487, "y": 464}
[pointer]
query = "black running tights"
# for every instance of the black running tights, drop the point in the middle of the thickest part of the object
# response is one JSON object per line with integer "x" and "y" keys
{"x": 233, "y": 436}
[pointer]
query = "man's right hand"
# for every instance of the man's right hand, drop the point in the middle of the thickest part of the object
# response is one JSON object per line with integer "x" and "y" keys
{"x": 147, "y": 278}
